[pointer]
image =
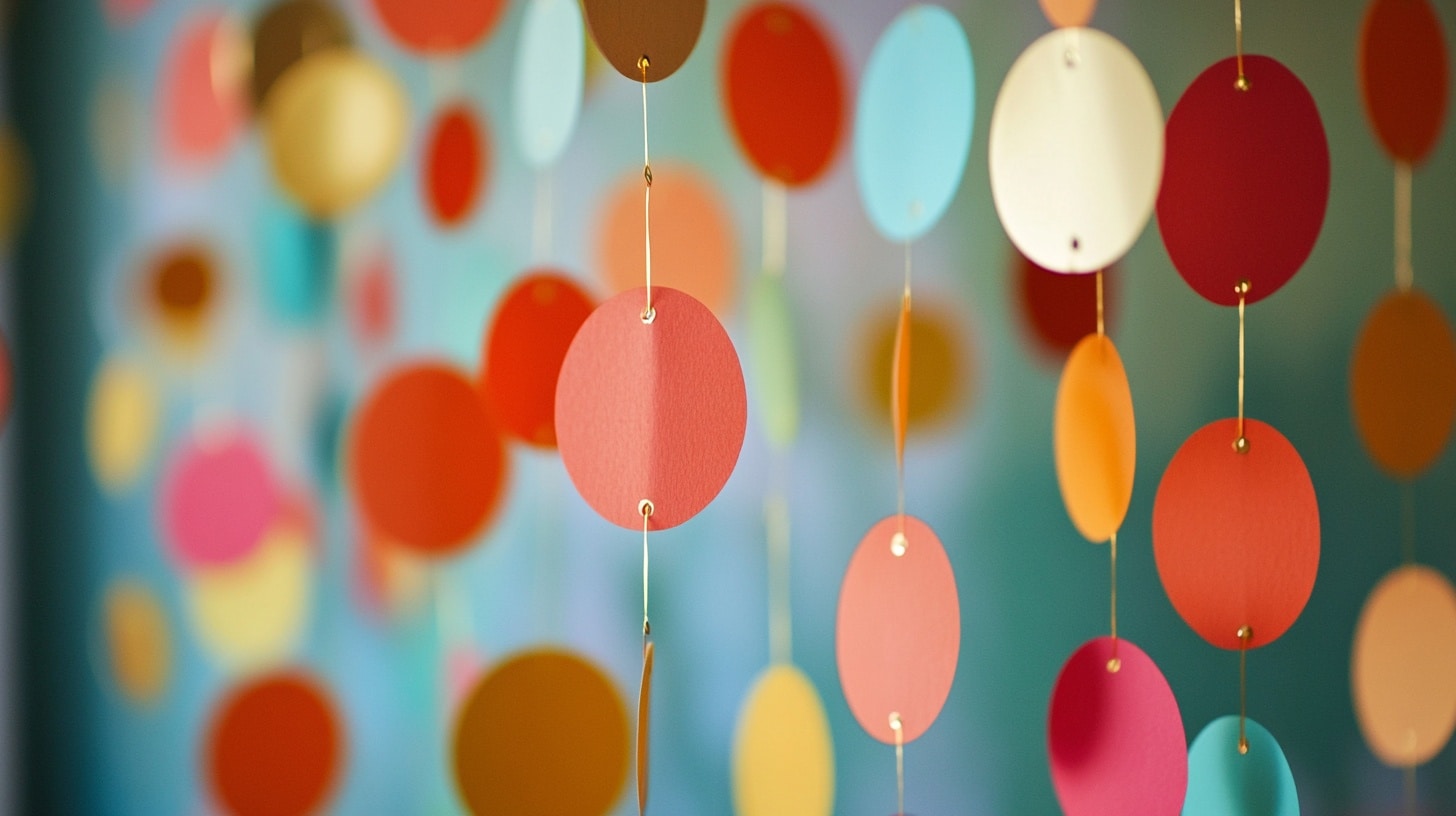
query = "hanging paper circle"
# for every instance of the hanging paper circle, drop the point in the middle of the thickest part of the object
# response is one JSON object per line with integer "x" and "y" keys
{"x": 912, "y": 123}
{"x": 425, "y": 459}
{"x": 1068, "y": 13}
{"x": 370, "y": 296}
{"x": 334, "y": 125}
{"x": 1076, "y": 149}
{"x": 217, "y": 499}
{"x": 275, "y": 747}
{"x": 898, "y": 633}
{"x": 299, "y": 258}
{"x": 650, "y": 411}
{"x": 202, "y": 91}
{"x": 545, "y": 732}
{"x": 14, "y": 184}
{"x": 122, "y": 417}
{"x": 783, "y": 756}
{"x": 289, "y": 31}
{"x": 663, "y": 32}
{"x": 644, "y": 726}
{"x": 1115, "y": 739}
{"x": 773, "y": 364}
{"x": 943, "y": 367}
{"x": 139, "y": 640}
{"x": 1059, "y": 310}
{"x": 1403, "y": 383}
{"x": 439, "y": 27}
{"x": 1223, "y": 782}
{"x": 1403, "y": 666}
{"x": 547, "y": 84}
{"x": 1095, "y": 438}
{"x": 179, "y": 291}
{"x": 784, "y": 91}
{"x": 457, "y": 164}
{"x": 1404, "y": 78}
{"x": 532, "y": 329}
{"x": 692, "y": 236}
{"x": 251, "y": 613}
{"x": 1237, "y": 535}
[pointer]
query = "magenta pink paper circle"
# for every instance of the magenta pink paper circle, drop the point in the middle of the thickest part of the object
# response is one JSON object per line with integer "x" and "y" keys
{"x": 217, "y": 499}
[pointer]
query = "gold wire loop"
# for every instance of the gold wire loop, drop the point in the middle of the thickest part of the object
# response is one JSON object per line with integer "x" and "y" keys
{"x": 1246, "y": 633}
{"x": 1242, "y": 83}
{"x": 645, "y": 508}
{"x": 1114, "y": 665}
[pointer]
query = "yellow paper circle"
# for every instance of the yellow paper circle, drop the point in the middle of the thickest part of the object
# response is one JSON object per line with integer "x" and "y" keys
{"x": 138, "y": 640}
{"x": 1403, "y": 666}
{"x": 783, "y": 757}
{"x": 1095, "y": 438}
{"x": 14, "y": 184}
{"x": 121, "y": 422}
{"x": 251, "y": 615}
{"x": 334, "y": 124}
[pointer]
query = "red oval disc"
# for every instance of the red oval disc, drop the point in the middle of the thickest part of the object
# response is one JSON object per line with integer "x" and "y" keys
{"x": 1403, "y": 76}
{"x": 457, "y": 163}
{"x": 898, "y": 634}
{"x": 1246, "y": 178}
{"x": 650, "y": 411}
{"x": 439, "y": 26}
{"x": 784, "y": 90}
{"x": 528, "y": 338}
{"x": 1060, "y": 309}
{"x": 1237, "y": 535}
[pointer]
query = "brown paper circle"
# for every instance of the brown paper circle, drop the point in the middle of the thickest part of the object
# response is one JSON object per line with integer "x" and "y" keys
{"x": 664, "y": 31}
{"x": 289, "y": 31}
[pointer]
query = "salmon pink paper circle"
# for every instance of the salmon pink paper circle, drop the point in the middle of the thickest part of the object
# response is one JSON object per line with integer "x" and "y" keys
{"x": 898, "y": 636}
{"x": 1236, "y": 535}
{"x": 650, "y": 410}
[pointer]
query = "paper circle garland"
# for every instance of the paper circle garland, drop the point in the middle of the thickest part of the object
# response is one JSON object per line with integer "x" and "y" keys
{"x": 439, "y": 27}
{"x": 1095, "y": 438}
{"x": 1076, "y": 150}
{"x": 943, "y": 366}
{"x": 202, "y": 91}
{"x": 1236, "y": 536}
{"x": 252, "y": 613}
{"x": 180, "y": 293}
{"x": 1403, "y": 383}
{"x": 783, "y": 88}
{"x": 289, "y": 31}
{"x": 457, "y": 164}
{"x": 139, "y": 640}
{"x": 1404, "y": 76}
{"x": 123, "y": 414}
{"x": 773, "y": 363}
{"x": 544, "y": 732}
{"x": 1403, "y": 666}
{"x": 425, "y": 459}
{"x": 1068, "y": 13}
{"x": 653, "y": 411}
{"x": 297, "y": 268}
{"x": 533, "y": 327}
{"x": 1223, "y": 782}
{"x": 912, "y": 123}
{"x": 216, "y": 499}
{"x": 628, "y": 30}
{"x": 1059, "y": 310}
{"x": 1115, "y": 739}
{"x": 898, "y": 632}
{"x": 783, "y": 756}
{"x": 1246, "y": 178}
{"x": 546, "y": 85}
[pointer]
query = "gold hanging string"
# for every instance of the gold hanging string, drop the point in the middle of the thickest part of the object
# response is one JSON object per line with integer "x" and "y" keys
{"x": 1242, "y": 83}
{"x": 1241, "y": 443}
{"x": 903, "y": 333}
{"x": 1246, "y": 633}
{"x": 648, "y": 313}
{"x": 898, "y": 727}
{"x": 1404, "y": 273}
{"x": 645, "y": 508}
{"x": 1101, "y": 325}
{"x": 1114, "y": 665}
{"x": 780, "y": 618}
{"x": 775, "y": 227}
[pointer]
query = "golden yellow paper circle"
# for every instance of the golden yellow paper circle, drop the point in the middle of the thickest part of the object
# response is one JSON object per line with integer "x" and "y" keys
{"x": 1095, "y": 438}
{"x": 138, "y": 640}
{"x": 250, "y": 615}
{"x": 1403, "y": 666}
{"x": 121, "y": 422}
{"x": 334, "y": 124}
{"x": 783, "y": 757}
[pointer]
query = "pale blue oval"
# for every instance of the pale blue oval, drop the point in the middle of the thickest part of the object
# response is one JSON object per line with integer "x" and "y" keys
{"x": 549, "y": 72}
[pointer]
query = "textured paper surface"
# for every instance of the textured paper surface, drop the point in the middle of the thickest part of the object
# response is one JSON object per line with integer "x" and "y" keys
{"x": 1095, "y": 438}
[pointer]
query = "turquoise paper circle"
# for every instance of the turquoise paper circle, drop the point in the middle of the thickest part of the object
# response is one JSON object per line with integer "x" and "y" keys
{"x": 297, "y": 264}
{"x": 549, "y": 72}
{"x": 1223, "y": 782}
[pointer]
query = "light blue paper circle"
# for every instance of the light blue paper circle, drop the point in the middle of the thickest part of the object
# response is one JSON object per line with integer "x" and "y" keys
{"x": 1223, "y": 782}
{"x": 549, "y": 72}
{"x": 297, "y": 264}
{"x": 912, "y": 124}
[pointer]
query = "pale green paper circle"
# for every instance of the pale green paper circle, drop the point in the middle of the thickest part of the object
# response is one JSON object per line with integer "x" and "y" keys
{"x": 1223, "y": 782}
{"x": 549, "y": 72}
{"x": 774, "y": 369}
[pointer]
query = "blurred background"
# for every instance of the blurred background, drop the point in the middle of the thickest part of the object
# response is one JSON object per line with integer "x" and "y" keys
{"x": 162, "y": 291}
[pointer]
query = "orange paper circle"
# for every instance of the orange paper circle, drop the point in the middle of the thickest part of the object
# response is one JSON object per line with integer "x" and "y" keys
{"x": 1068, "y": 13}
{"x": 898, "y": 635}
{"x": 1404, "y": 79}
{"x": 1403, "y": 383}
{"x": 274, "y": 748}
{"x": 1096, "y": 438}
{"x": 426, "y": 460}
{"x": 940, "y": 367}
{"x": 650, "y": 411}
{"x": 526, "y": 344}
{"x": 545, "y": 732}
{"x": 457, "y": 164}
{"x": 1237, "y": 535}
{"x": 439, "y": 26}
{"x": 692, "y": 236}
{"x": 1403, "y": 667}
{"x": 139, "y": 639}
{"x": 180, "y": 291}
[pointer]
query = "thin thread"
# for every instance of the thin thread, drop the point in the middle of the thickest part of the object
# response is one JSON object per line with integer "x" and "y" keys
{"x": 899, "y": 728}
{"x": 900, "y": 458}
{"x": 1241, "y": 443}
{"x": 1101, "y": 326}
{"x": 775, "y": 227}
{"x": 1115, "y": 663}
{"x": 1404, "y": 273}
{"x": 780, "y": 615}
{"x": 645, "y": 508}
{"x": 1245, "y": 633}
{"x": 647, "y": 311}
{"x": 541, "y": 222}
{"x": 1408, "y": 523}
{"x": 1243, "y": 82}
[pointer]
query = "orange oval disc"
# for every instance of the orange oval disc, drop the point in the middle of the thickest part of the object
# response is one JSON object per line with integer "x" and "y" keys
{"x": 457, "y": 165}
{"x": 898, "y": 634}
{"x": 1403, "y": 383}
{"x": 1237, "y": 535}
{"x": 1403, "y": 76}
{"x": 426, "y": 460}
{"x": 939, "y": 354}
{"x": 1068, "y": 13}
{"x": 1096, "y": 438}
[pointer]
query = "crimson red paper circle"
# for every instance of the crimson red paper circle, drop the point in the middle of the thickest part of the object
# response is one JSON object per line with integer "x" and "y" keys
{"x": 524, "y": 348}
{"x": 1115, "y": 739}
{"x": 1237, "y": 536}
{"x": 438, "y": 26}
{"x": 1059, "y": 309}
{"x": 784, "y": 91}
{"x": 457, "y": 164}
{"x": 1246, "y": 178}
{"x": 1403, "y": 76}
{"x": 650, "y": 411}
{"x": 898, "y": 633}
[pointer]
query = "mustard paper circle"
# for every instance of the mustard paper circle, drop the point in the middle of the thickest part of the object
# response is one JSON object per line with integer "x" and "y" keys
{"x": 783, "y": 756}
{"x": 250, "y": 615}
{"x": 1095, "y": 438}
{"x": 138, "y": 640}
{"x": 121, "y": 422}
{"x": 334, "y": 124}
{"x": 14, "y": 185}
{"x": 1403, "y": 666}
